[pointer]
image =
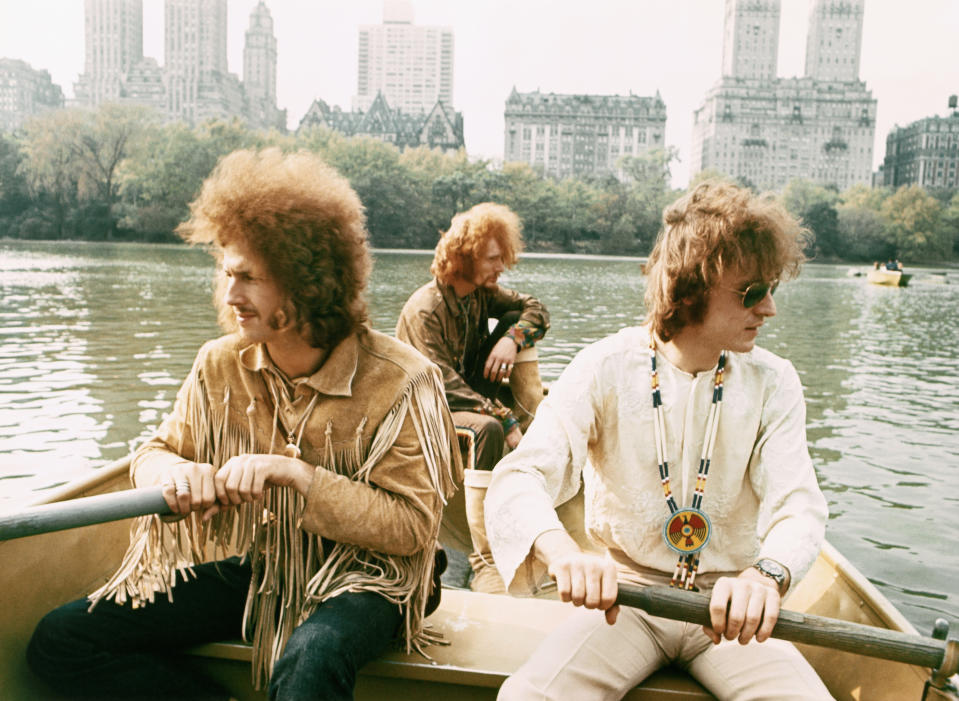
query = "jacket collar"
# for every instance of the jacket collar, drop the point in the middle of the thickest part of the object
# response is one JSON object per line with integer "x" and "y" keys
{"x": 335, "y": 376}
{"x": 449, "y": 296}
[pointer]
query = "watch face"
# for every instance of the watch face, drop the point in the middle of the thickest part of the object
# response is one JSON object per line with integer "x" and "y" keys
{"x": 772, "y": 568}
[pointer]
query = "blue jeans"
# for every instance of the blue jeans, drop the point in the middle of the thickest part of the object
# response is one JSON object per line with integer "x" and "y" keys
{"x": 117, "y": 652}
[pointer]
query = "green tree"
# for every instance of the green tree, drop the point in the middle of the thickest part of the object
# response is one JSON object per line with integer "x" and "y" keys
{"x": 800, "y": 195}
{"x": 574, "y": 216}
{"x": 51, "y": 172}
{"x": 814, "y": 205}
{"x": 912, "y": 225}
{"x": 861, "y": 233}
{"x": 423, "y": 166}
{"x": 103, "y": 140}
{"x": 949, "y": 224}
{"x": 864, "y": 197}
{"x": 822, "y": 220}
{"x": 14, "y": 193}
{"x": 374, "y": 170}
{"x": 161, "y": 178}
{"x": 649, "y": 192}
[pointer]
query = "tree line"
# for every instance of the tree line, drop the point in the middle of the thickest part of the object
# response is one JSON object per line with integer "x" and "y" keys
{"x": 119, "y": 173}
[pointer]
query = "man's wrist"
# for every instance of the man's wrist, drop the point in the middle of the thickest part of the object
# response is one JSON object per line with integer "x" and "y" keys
{"x": 774, "y": 571}
{"x": 554, "y": 544}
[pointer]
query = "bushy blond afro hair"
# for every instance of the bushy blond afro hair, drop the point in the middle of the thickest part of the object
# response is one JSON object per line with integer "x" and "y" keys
{"x": 306, "y": 224}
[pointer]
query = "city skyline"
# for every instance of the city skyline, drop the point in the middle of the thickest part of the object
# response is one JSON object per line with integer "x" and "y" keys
{"x": 910, "y": 61}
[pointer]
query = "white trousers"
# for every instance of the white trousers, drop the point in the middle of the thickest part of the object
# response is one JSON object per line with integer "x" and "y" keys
{"x": 586, "y": 659}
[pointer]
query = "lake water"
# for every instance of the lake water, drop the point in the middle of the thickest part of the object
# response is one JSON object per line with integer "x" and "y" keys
{"x": 96, "y": 338}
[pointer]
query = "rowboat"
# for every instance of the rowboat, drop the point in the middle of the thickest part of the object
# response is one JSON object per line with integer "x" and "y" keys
{"x": 488, "y": 635}
{"x": 889, "y": 278}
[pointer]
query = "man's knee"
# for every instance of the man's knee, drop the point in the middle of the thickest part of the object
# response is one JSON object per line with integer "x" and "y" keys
{"x": 55, "y": 651}
{"x": 315, "y": 664}
{"x": 490, "y": 442}
{"x": 488, "y": 438}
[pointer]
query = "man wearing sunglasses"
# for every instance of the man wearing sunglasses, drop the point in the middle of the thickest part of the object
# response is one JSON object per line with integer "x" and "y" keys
{"x": 690, "y": 441}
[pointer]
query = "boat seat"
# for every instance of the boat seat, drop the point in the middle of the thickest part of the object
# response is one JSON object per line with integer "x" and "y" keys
{"x": 489, "y": 636}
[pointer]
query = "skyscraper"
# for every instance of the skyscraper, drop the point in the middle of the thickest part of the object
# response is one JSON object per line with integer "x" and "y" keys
{"x": 834, "y": 40}
{"x": 113, "y": 33}
{"x": 751, "y": 39}
{"x": 195, "y": 84}
{"x": 259, "y": 55}
{"x": 411, "y": 65}
{"x": 768, "y": 130}
{"x": 198, "y": 83}
{"x": 259, "y": 70}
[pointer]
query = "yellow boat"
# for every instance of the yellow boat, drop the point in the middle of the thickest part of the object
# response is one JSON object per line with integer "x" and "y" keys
{"x": 889, "y": 278}
{"x": 489, "y": 635}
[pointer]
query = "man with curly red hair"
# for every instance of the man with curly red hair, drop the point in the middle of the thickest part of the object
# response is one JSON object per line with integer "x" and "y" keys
{"x": 448, "y": 321}
{"x": 320, "y": 450}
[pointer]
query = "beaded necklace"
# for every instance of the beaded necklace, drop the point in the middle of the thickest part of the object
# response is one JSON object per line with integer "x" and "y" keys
{"x": 686, "y": 531}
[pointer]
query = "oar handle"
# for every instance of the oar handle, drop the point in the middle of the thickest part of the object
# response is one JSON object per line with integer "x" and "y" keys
{"x": 84, "y": 511}
{"x": 693, "y": 607}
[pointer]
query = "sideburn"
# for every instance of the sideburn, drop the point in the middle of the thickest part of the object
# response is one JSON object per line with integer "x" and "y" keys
{"x": 283, "y": 318}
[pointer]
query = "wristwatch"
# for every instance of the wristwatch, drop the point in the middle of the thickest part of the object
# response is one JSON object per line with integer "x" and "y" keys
{"x": 773, "y": 570}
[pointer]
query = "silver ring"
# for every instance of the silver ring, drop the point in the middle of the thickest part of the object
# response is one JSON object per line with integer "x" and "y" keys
{"x": 183, "y": 487}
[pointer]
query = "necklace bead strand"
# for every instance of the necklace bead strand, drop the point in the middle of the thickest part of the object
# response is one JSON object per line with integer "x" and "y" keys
{"x": 686, "y": 530}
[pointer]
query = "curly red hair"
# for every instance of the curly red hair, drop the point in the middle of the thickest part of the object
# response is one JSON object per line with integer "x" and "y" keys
{"x": 464, "y": 242}
{"x": 716, "y": 227}
{"x": 305, "y": 222}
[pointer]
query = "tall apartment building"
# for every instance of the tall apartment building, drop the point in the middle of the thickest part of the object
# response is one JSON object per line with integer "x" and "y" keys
{"x": 577, "y": 135}
{"x": 259, "y": 70}
{"x": 411, "y": 65}
{"x": 194, "y": 84}
{"x": 770, "y": 130}
{"x": 199, "y": 86}
{"x": 113, "y": 34}
{"x": 925, "y": 153}
{"x": 834, "y": 41}
{"x": 751, "y": 39}
{"x": 25, "y": 92}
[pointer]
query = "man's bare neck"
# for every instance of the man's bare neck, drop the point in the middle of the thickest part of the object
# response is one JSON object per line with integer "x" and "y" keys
{"x": 295, "y": 357}
{"x": 686, "y": 352}
{"x": 462, "y": 287}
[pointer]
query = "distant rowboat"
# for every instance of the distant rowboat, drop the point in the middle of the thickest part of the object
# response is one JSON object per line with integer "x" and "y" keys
{"x": 889, "y": 278}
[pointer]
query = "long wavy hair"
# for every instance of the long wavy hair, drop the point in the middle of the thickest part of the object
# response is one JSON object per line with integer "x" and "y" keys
{"x": 464, "y": 242}
{"x": 305, "y": 223}
{"x": 714, "y": 228}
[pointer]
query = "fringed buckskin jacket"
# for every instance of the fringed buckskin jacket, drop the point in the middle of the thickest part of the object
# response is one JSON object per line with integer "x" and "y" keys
{"x": 373, "y": 419}
{"x": 449, "y": 331}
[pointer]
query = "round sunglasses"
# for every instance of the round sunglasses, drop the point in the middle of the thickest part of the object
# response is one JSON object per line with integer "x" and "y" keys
{"x": 756, "y": 292}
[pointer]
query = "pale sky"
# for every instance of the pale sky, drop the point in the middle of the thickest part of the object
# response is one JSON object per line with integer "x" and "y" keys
{"x": 910, "y": 53}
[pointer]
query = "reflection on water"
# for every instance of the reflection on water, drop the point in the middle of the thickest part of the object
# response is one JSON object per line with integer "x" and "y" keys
{"x": 95, "y": 339}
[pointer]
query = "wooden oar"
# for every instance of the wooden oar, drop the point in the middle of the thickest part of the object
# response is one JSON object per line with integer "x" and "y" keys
{"x": 681, "y": 605}
{"x": 665, "y": 602}
{"x": 84, "y": 511}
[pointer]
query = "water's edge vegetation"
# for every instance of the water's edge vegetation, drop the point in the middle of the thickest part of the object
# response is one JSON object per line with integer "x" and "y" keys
{"x": 119, "y": 174}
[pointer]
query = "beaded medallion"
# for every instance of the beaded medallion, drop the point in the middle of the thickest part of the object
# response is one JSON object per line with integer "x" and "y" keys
{"x": 686, "y": 531}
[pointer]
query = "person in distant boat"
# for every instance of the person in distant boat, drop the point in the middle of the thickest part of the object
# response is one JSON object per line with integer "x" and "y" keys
{"x": 691, "y": 443}
{"x": 893, "y": 264}
{"x": 447, "y": 320}
{"x": 320, "y": 450}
